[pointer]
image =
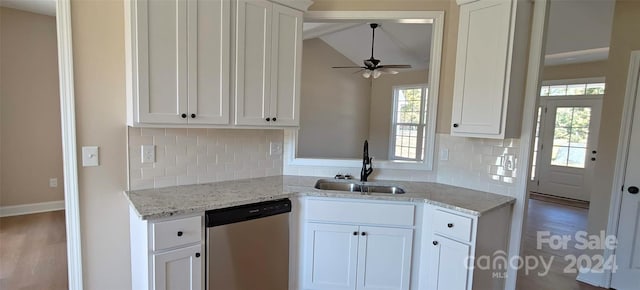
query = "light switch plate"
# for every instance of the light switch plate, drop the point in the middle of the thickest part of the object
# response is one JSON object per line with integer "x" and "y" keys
{"x": 90, "y": 156}
{"x": 148, "y": 153}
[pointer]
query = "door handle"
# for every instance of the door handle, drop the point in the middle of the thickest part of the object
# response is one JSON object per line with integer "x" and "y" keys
{"x": 633, "y": 189}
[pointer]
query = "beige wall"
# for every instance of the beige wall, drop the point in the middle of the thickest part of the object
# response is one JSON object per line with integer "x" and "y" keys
{"x": 381, "y": 104}
{"x": 334, "y": 104}
{"x": 30, "y": 104}
{"x": 448, "y": 49}
{"x": 624, "y": 39}
{"x": 575, "y": 71}
{"x": 98, "y": 52}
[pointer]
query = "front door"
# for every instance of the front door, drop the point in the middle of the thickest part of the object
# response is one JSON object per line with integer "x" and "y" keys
{"x": 627, "y": 276}
{"x": 569, "y": 146}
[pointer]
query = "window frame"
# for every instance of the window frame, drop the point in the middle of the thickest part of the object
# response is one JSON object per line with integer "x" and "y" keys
{"x": 422, "y": 123}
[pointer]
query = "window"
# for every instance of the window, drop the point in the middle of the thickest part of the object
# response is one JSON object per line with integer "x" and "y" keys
{"x": 573, "y": 89}
{"x": 409, "y": 123}
{"x": 570, "y": 136}
{"x": 536, "y": 145}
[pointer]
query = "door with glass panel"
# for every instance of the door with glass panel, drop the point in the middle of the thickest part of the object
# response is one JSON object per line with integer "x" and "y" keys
{"x": 568, "y": 149}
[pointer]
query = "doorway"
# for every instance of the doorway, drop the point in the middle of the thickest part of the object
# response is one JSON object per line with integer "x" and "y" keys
{"x": 565, "y": 149}
{"x": 32, "y": 201}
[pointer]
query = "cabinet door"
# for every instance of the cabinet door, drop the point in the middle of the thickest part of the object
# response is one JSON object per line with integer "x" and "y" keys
{"x": 209, "y": 42}
{"x": 286, "y": 51}
{"x": 253, "y": 62}
{"x": 330, "y": 256}
{"x": 449, "y": 268}
{"x": 162, "y": 61}
{"x": 179, "y": 269}
{"x": 480, "y": 98}
{"x": 384, "y": 258}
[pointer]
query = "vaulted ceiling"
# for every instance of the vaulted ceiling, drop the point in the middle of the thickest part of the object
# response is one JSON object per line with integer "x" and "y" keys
{"x": 578, "y": 31}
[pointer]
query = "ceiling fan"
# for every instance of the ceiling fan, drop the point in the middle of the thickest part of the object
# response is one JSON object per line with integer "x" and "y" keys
{"x": 372, "y": 66}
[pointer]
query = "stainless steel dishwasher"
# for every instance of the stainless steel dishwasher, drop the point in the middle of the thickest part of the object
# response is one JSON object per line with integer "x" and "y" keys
{"x": 248, "y": 247}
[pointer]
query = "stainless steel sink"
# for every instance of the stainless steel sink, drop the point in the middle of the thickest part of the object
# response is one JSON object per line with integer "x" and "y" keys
{"x": 327, "y": 184}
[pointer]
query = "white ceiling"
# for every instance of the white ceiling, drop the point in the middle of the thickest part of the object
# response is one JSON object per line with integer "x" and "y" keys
{"x": 395, "y": 43}
{"x": 47, "y": 7}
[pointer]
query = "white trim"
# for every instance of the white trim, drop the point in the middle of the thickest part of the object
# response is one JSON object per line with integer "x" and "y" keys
{"x": 534, "y": 76}
{"x": 437, "y": 20}
{"x": 585, "y": 275}
{"x": 30, "y": 208}
{"x": 633, "y": 81}
{"x": 69, "y": 152}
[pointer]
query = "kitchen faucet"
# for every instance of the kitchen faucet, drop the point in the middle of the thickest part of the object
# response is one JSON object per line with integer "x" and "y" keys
{"x": 366, "y": 160}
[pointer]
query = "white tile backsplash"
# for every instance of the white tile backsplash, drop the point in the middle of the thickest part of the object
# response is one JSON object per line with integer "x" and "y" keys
{"x": 473, "y": 163}
{"x": 478, "y": 163}
{"x": 194, "y": 156}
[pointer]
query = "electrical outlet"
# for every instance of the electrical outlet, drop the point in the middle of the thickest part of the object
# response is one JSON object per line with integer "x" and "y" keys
{"x": 148, "y": 153}
{"x": 444, "y": 154}
{"x": 509, "y": 162}
{"x": 275, "y": 148}
{"x": 53, "y": 182}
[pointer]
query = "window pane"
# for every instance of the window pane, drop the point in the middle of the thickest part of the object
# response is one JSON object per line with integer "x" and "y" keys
{"x": 576, "y": 90}
{"x": 595, "y": 89}
{"x": 564, "y": 117}
{"x": 579, "y": 137}
{"x": 544, "y": 91}
{"x": 560, "y": 90}
{"x": 561, "y": 137}
{"x": 559, "y": 155}
{"x": 577, "y": 157}
{"x": 581, "y": 117}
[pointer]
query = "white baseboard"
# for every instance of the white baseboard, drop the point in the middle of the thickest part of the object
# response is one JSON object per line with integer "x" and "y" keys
{"x": 31, "y": 208}
{"x": 591, "y": 277}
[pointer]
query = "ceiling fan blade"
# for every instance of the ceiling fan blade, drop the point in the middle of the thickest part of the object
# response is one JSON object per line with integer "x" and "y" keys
{"x": 388, "y": 71}
{"x": 395, "y": 66}
{"x": 348, "y": 67}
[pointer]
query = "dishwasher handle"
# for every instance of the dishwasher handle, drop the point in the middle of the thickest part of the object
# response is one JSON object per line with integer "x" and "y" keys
{"x": 223, "y": 216}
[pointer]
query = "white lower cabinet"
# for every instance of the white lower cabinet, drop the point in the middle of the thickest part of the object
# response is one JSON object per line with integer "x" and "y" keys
{"x": 342, "y": 251}
{"x": 179, "y": 269}
{"x": 450, "y": 259}
{"x": 167, "y": 254}
{"x": 454, "y": 241}
{"x": 331, "y": 256}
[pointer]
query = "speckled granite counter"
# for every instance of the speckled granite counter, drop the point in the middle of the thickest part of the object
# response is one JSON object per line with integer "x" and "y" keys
{"x": 177, "y": 200}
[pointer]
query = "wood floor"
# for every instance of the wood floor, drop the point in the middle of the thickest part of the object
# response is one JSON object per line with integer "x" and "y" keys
{"x": 558, "y": 219}
{"x": 33, "y": 253}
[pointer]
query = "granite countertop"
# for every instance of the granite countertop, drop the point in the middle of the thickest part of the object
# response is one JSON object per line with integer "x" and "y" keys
{"x": 178, "y": 200}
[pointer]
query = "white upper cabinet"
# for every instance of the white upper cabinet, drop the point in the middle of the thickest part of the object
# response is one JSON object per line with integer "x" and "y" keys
{"x": 268, "y": 62}
{"x": 490, "y": 68}
{"x": 209, "y": 38}
{"x": 180, "y": 62}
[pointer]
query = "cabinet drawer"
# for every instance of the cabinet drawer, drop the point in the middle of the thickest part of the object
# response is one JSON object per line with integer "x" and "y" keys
{"x": 453, "y": 225}
{"x": 174, "y": 233}
{"x": 361, "y": 212}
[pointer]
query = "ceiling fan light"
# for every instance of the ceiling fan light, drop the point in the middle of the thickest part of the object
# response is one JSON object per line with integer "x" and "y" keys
{"x": 366, "y": 74}
{"x": 376, "y": 74}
